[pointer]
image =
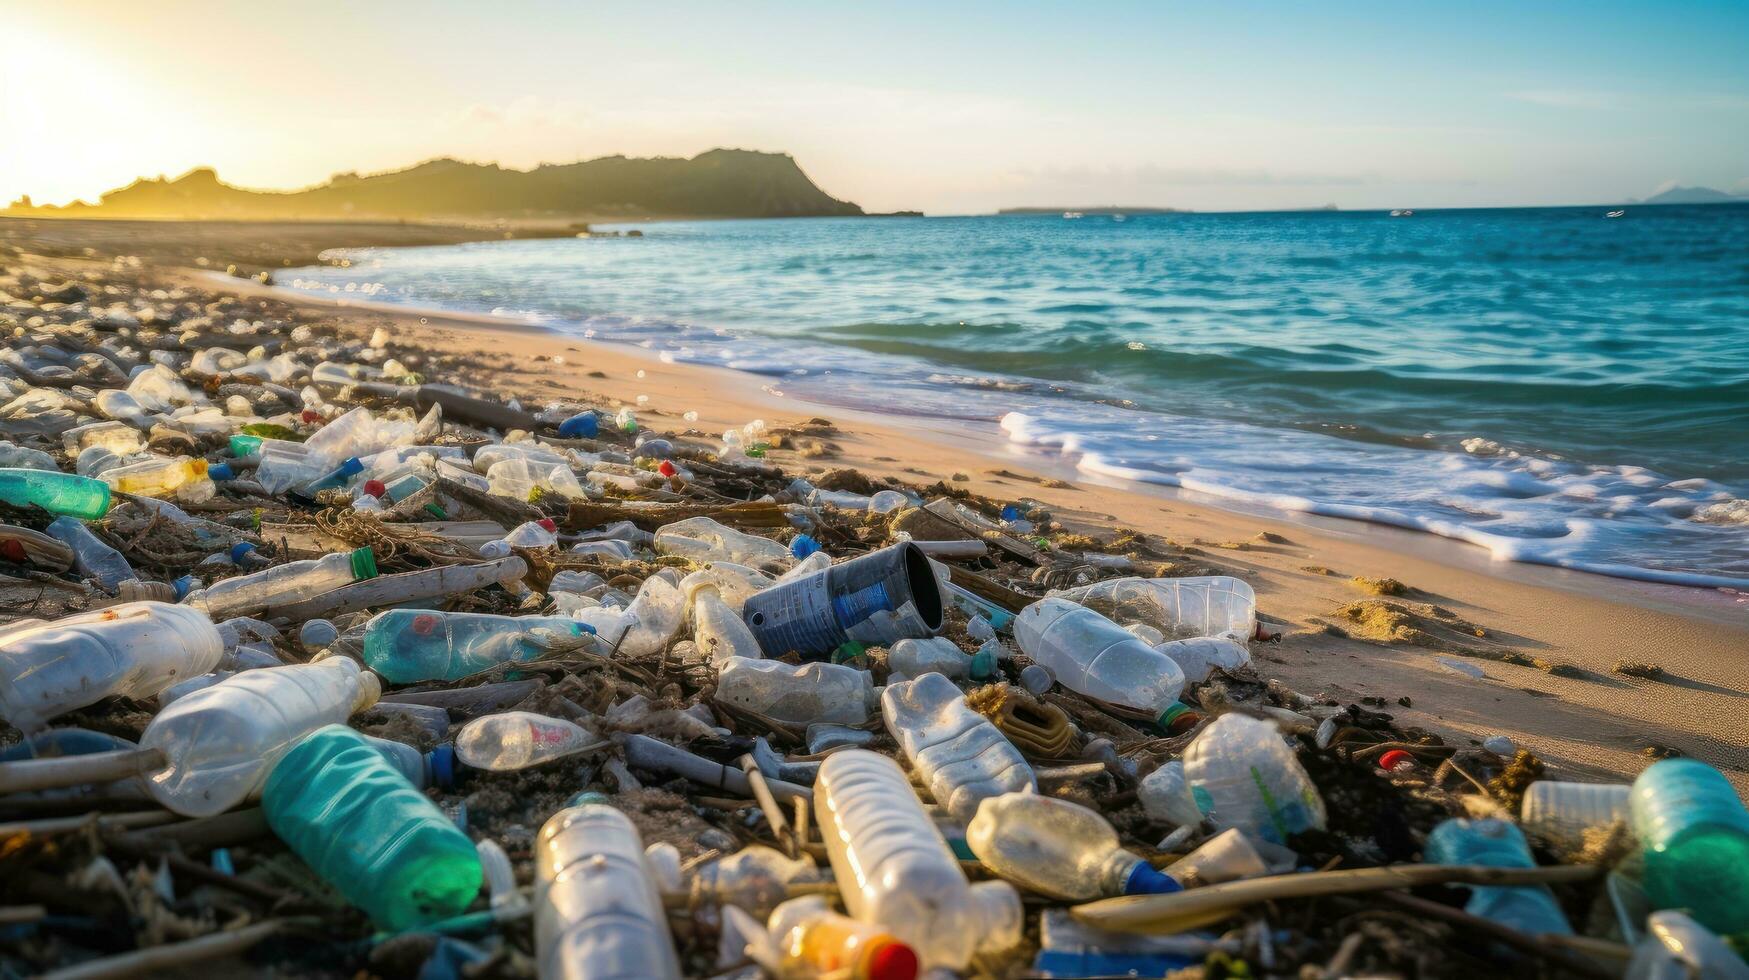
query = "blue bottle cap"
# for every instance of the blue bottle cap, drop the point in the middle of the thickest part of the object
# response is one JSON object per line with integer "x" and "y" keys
{"x": 581, "y": 426}
{"x": 185, "y": 585}
{"x": 1010, "y": 513}
{"x": 220, "y": 471}
{"x": 803, "y": 546}
{"x": 240, "y": 549}
{"x": 983, "y": 663}
{"x": 1144, "y": 880}
{"x": 221, "y": 858}
{"x": 350, "y": 466}
{"x": 587, "y": 797}
{"x": 443, "y": 769}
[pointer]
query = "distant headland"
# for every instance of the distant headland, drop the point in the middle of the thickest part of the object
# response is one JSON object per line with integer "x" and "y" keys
{"x": 714, "y": 184}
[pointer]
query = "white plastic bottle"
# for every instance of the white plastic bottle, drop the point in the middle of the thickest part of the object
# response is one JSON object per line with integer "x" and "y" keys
{"x": 801, "y": 695}
{"x": 247, "y": 595}
{"x": 1198, "y": 657}
{"x": 1180, "y": 608}
{"x": 597, "y": 913}
{"x": 222, "y": 741}
{"x": 135, "y": 650}
{"x": 1560, "y": 813}
{"x": 1091, "y": 655}
{"x": 958, "y": 753}
{"x": 894, "y": 869}
{"x": 1242, "y": 774}
{"x": 716, "y": 629}
{"x": 518, "y": 739}
{"x": 912, "y": 658}
{"x": 703, "y": 539}
{"x": 1059, "y": 849}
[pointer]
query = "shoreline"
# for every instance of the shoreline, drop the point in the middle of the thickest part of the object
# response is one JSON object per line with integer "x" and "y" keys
{"x": 1582, "y": 718}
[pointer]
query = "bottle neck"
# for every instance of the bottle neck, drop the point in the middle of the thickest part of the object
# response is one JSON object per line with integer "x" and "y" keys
{"x": 1127, "y": 874}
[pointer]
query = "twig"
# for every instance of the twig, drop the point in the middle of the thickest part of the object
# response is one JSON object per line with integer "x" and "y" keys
{"x": 773, "y": 813}
{"x": 170, "y": 956}
{"x": 1537, "y": 946}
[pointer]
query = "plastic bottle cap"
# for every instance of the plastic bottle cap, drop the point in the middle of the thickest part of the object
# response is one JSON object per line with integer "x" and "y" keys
{"x": 1394, "y": 758}
{"x": 220, "y": 471}
{"x": 185, "y": 585}
{"x": 1178, "y": 718}
{"x": 364, "y": 564}
{"x": 803, "y": 546}
{"x": 443, "y": 766}
{"x": 983, "y": 664}
{"x": 310, "y": 416}
{"x": 584, "y": 425}
{"x": 375, "y": 488}
{"x": 666, "y": 468}
{"x": 1011, "y": 513}
{"x": 240, "y": 549}
{"x": 548, "y": 524}
{"x": 885, "y": 958}
{"x": 350, "y": 466}
{"x": 1144, "y": 880}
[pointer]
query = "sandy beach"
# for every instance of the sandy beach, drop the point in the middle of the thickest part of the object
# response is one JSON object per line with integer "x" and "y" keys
{"x": 1547, "y": 641}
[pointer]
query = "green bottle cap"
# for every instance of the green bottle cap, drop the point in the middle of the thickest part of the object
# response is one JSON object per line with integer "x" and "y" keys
{"x": 364, "y": 564}
{"x": 983, "y": 663}
{"x": 1171, "y": 714}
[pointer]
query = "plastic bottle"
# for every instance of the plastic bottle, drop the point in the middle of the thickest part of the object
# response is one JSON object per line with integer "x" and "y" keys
{"x": 91, "y": 557}
{"x": 96, "y": 461}
{"x": 716, "y": 629}
{"x": 246, "y": 595}
{"x": 523, "y": 479}
{"x": 960, "y": 756}
{"x": 135, "y": 650}
{"x": 335, "y": 478}
{"x": 1497, "y": 844}
{"x": 221, "y": 742}
{"x": 57, "y": 493}
{"x": 1229, "y": 856}
{"x": 117, "y": 437}
{"x": 912, "y": 658}
{"x": 1678, "y": 948}
{"x": 1695, "y": 835}
{"x": 410, "y": 645}
{"x": 1243, "y": 775}
{"x": 533, "y": 534}
{"x": 584, "y": 425}
{"x": 1091, "y": 655}
{"x": 161, "y": 477}
{"x": 703, "y": 539}
{"x": 284, "y": 465}
{"x": 597, "y": 914}
{"x": 1167, "y": 798}
{"x": 514, "y": 740}
{"x": 804, "y": 694}
{"x": 894, "y": 869}
{"x": 755, "y": 879}
{"x": 1059, "y": 849}
{"x": 1200, "y": 656}
{"x": 363, "y": 828}
{"x": 815, "y": 943}
{"x": 1561, "y": 813}
{"x": 886, "y": 501}
{"x": 734, "y": 583}
{"x": 1180, "y": 608}
{"x": 422, "y": 769}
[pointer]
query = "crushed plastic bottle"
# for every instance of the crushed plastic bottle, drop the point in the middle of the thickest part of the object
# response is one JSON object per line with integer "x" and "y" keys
{"x": 1091, "y": 655}
{"x": 133, "y": 650}
{"x": 1059, "y": 849}
{"x": 514, "y": 740}
{"x": 221, "y": 742}
{"x": 1243, "y": 775}
{"x": 958, "y": 754}
{"x": 1201, "y": 656}
{"x": 703, "y": 539}
{"x": 91, "y": 557}
{"x": 410, "y": 645}
{"x": 1180, "y": 608}
{"x": 896, "y": 872}
{"x": 1694, "y": 832}
{"x": 598, "y": 915}
{"x": 363, "y": 828}
{"x": 247, "y": 595}
{"x": 804, "y": 694}
{"x": 1497, "y": 844}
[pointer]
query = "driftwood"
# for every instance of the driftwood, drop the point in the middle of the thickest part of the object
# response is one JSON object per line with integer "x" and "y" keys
{"x": 587, "y": 514}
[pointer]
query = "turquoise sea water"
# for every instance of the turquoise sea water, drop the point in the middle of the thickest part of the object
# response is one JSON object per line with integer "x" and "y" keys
{"x": 1550, "y": 384}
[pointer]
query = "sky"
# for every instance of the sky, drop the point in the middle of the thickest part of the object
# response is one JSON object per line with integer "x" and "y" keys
{"x": 947, "y": 108}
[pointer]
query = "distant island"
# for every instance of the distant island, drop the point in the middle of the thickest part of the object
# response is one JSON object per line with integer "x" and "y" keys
{"x": 1107, "y": 209}
{"x": 1693, "y": 195}
{"x": 714, "y": 184}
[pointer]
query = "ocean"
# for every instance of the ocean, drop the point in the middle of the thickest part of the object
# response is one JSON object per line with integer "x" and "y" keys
{"x": 1549, "y": 384}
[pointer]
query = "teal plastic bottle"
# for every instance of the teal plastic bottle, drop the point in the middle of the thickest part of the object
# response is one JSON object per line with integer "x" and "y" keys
{"x": 1498, "y": 844}
{"x": 1695, "y": 832}
{"x": 362, "y": 826}
{"x": 58, "y": 493}
{"x": 410, "y": 645}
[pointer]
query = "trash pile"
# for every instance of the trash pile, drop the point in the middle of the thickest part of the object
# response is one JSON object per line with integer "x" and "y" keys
{"x": 317, "y": 664}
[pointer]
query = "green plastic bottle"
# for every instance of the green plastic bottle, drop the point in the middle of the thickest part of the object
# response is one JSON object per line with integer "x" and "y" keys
{"x": 57, "y": 493}
{"x": 338, "y": 803}
{"x": 1695, "y": 832}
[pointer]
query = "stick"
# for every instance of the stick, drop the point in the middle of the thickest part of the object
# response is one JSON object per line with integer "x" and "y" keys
{"x": 203, "y": 834}
{"x": 773, "y": 813}
{"x": 658, "y": 756}
{"x": 26, "y": 775}
{"x": 170, "y": 956}
{"x": 1166, "y": 914}
{"x": 1539, "y": 946}
{"x": 65, "y": 825}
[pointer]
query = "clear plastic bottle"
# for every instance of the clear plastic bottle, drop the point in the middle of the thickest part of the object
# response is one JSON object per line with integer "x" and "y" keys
{"x": 176, "y": 476}
{"x": 959, "y": 754}
{"x": 597, "y": 913}
{"x": 134, "y": 650}
{"x": 57, "y": 493}
{"x": 285, "y": 464}
{"x": 247, "y": 595}
{"x": 1497, "y": 844}
{"x": 798, "y": 694}
{"x": 410, "y": 645}
{"x": 1243, "y": 775}
{"x": 1091, "y": 655}
{"x": 116, "y": 404}
{"x": 1059, "y": 849}
{"x": 523, "y": 479}
{"x": 1676, "y": 947}
{"x": 912, "y": 658}
{"x": 91, "y": 557}
{"x": 221, "y": 742}
{"x": 533, "y": 534}
{"x": 513, "y": 740}
{"x": 1200, "y": 656}
{"x": 1180, "y": 608}
{"x": 1561, "y": 813}
{"x": 96, "y": 461}
{"x": 815, "y": 943}
{"x": 363, "y": 828}
{"x": 755, "y": 879}
{"x": 734, "y": 583}
{"x": 717, "y": 630}
{"x": 489, "y": 456}
{"x": 703, "y": 539}
{"x": 1694, "y": 832}
{"x": 894, "y": 869}
{"x": 117, "y": 437}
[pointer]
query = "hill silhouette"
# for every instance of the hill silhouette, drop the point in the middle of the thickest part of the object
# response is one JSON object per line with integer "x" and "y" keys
{"x": 714, "y": 184}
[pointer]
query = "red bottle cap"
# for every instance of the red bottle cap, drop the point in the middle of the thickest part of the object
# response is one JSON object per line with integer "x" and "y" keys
{"x": 549, "y": 524}
{"x": 666, "y": 468}
{"x": 1394, "y": 758}
{"x": 375, "y": 488}
{"x": 888, "y": 959}
{"x": 311, "y": 416}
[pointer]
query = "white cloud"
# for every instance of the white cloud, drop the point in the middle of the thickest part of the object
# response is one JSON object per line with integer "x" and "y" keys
{"x": 1568, "y": 98}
